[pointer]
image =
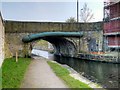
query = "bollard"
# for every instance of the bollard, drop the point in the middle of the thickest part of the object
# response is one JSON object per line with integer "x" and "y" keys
{"x": 16, "y": 56}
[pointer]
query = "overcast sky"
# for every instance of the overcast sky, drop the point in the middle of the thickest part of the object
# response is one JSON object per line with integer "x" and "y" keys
{"x": 54, "y": 10}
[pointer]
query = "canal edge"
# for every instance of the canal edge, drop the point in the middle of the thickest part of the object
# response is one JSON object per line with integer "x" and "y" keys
{"x": 79, "y": 77}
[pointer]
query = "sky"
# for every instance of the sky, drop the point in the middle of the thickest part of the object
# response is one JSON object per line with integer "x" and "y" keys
{"x": 48, "y": 10}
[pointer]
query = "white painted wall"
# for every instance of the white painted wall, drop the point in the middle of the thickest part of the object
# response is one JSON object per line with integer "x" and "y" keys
{"x": 1, "y": 41}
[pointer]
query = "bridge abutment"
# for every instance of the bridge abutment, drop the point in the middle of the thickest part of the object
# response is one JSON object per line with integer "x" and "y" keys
{"x": 26, "y": 50}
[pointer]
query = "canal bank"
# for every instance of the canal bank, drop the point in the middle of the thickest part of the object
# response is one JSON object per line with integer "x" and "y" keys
{"x": 108, "y": 58}
{"x": 105, "y": 74}
{"x": 77, "y": 76}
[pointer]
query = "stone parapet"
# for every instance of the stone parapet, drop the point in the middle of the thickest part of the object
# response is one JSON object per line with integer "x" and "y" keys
{"x": 37, "y": 27}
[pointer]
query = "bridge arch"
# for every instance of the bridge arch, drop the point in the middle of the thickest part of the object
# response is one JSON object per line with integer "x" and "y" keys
{"x": 61, "y": 45}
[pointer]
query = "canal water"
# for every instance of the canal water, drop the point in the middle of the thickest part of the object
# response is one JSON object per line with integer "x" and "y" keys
{"x": 105, "y": 74}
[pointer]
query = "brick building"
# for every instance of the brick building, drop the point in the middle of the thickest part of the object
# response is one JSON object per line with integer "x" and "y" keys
{"x": 112, "y": 25}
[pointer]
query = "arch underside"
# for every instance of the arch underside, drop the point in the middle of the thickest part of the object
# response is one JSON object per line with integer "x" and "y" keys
{"x": 62, "y": 46}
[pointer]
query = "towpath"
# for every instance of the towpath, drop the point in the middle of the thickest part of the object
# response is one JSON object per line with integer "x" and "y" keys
{"x": 40, "y": 75}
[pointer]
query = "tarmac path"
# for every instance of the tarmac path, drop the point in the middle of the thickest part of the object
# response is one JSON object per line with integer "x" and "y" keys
{"x": 40, "y": 75}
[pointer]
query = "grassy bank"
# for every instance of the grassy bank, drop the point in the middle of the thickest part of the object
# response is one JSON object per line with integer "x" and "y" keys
{"x": 63, "y": 73}
{"x": 13, "y": 72}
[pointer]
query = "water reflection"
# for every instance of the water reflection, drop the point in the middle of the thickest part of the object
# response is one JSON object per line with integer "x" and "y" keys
{"x": 105, "y": 74}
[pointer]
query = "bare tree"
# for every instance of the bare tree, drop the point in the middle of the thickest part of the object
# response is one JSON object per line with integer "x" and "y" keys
{"x": 71, "y": 20}
{"x": 86, "y": 14}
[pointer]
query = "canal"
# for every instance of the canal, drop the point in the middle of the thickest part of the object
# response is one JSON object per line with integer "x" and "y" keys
{"x": 105, "y": 74}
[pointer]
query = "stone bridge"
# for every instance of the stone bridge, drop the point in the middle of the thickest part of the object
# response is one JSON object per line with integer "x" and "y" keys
{"x": 67, "y": 36}
{"x": 61, "y": 45}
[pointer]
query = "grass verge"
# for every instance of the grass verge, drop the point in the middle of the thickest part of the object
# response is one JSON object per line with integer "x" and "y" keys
{"x": 13, "y": 72}
{"x": 63, "y": 73}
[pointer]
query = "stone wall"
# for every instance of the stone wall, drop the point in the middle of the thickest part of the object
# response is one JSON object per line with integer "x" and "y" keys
{"x": 1, "y": 40}
{"x": 92, "y": 41}
{"x": 37, "y": 27}
{"x": 15, "y": 44}
{"x": 16, "y": 30}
